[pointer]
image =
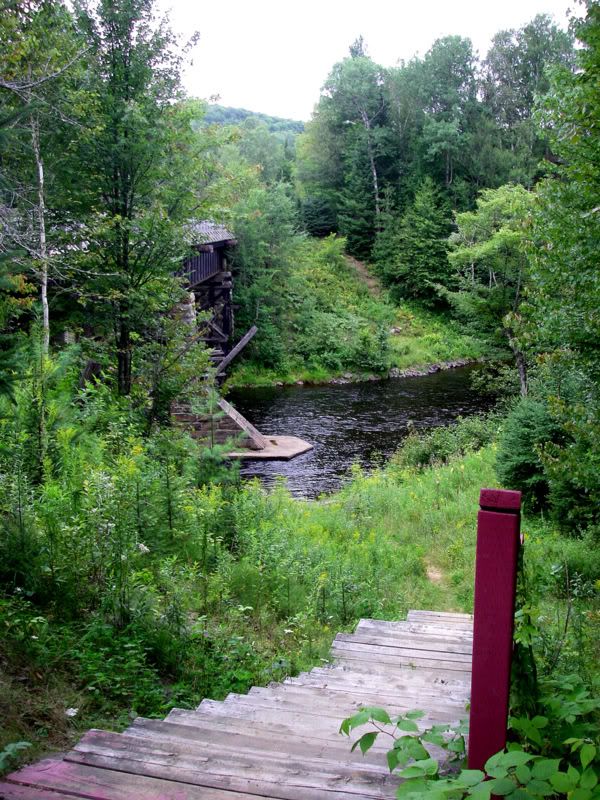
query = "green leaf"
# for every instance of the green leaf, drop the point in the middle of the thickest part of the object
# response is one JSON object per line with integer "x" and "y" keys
{"x": 562, "y": 782}
{"x": 412, "y": 772}
{"x": 434, "y": 738}
{"x": 546, "y": 767}
{"x": 539, "y": 722}
{"x": 539, "y": 788}
{"x": 492, "y": 763}
{"x": 367, "y": 740}
{"x": 514, "y": 758}
{"x": 520, "y": 794}
{"x": 392, "y": 759}
{"x": 502, "y": 786}
{"x": 523, "y": 773}
{"x": 470, "y": 777}
{"x": 581, "y": 794}
{"x": 573, "y": 774}
{"x": 589, "y": 779}
{"x": 533, "y": 734}
{"x": 587, "y": 754}
{"x": 481, "y": 792}
{"x": 416, "y": 714}
{"x": 409, "y": 787}
{"x": 378, "y": 714}
{"x": 404, "y": 724}
{"x": 430, "y": 765}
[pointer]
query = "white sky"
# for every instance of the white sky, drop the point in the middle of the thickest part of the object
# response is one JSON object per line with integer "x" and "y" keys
{"x": 273, "y": 57}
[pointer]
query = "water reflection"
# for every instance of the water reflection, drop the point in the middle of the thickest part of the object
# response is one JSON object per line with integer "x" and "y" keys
{"x": 354, "y": 423}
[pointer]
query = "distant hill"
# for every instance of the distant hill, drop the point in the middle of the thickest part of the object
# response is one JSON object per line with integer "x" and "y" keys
{"x": 225, "y": 115}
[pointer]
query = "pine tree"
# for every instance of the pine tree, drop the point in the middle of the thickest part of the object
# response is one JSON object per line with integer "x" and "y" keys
{"x": 420, "y": 262}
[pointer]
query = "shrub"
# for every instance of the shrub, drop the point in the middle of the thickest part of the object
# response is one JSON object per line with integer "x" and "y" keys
{"x": 438, "y": 446}
{"x": 528, "y": 427}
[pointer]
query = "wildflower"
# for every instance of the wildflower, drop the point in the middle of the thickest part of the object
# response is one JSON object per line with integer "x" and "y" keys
{"x": 71, "y": 712}
{"x": 142, "y": 548}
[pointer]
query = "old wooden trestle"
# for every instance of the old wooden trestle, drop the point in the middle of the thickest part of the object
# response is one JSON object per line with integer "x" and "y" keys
{"x": 210, "y": 299}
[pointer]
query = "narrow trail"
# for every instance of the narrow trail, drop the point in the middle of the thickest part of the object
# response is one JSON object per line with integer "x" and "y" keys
{"x": 365, "y": 276}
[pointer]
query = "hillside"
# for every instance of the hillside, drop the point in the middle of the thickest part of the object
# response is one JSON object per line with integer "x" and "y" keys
{"x": 226, "y": 115}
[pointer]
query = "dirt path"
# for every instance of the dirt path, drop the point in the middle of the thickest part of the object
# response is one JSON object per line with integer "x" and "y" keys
{"x": 362, "y": 271}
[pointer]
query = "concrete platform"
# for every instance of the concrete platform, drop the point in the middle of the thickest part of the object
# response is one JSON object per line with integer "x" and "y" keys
{"x": 284, "y": 447}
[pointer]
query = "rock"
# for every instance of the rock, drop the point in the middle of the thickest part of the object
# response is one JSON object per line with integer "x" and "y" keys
{"x": 418, "y": 372}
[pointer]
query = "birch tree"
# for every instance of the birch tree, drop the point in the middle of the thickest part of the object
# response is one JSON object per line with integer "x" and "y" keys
{"x": 39, "y": 50}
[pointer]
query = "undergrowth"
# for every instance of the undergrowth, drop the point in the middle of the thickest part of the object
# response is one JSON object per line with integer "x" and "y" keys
{"x": 336, "y": 326}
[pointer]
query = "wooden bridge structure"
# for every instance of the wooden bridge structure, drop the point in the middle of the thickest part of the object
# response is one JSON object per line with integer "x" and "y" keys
{"x": 281, "y": 742}
{"x": 209, "y": 281}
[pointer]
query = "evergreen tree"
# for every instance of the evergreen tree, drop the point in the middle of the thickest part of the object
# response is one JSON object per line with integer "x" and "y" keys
{"x": 420, "y": 262}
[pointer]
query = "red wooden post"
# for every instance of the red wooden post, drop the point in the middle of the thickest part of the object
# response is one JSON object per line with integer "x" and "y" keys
{"x": 498, "y": 541}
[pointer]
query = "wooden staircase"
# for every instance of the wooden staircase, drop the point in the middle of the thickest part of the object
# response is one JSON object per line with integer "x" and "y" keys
{"x": 279, "y": 742}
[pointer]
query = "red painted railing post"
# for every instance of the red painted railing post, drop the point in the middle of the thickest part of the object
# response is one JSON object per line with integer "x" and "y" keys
{"x": 498, "y": 540}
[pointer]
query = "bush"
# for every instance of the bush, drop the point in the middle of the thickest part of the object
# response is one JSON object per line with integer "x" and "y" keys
{"x": 420, "y": 450}
{"x": 528, "y": 427}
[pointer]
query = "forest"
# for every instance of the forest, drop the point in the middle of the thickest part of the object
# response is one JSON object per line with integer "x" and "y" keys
{"x": 443, "y": 209}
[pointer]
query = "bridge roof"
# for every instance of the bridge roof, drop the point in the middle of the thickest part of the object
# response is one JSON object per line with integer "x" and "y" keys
{"x": 208, "y": 232}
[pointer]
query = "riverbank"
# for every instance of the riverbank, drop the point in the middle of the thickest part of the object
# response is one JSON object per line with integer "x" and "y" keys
{"x": 338, "y": 324}
{"x": 353, "y": 423}
{"x": 418, "y": 343}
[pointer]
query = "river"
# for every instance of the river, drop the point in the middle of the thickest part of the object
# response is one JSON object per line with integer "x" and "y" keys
{"x": 356, "y": 423}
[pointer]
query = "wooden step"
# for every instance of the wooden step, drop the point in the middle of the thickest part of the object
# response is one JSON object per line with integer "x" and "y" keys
{"x": 409, "y": 641}
{"x": 276, "y": 776}
{"x": 78, "y": 780}
{"x": 235, "y": 732}
{"x": 282, "y": 741}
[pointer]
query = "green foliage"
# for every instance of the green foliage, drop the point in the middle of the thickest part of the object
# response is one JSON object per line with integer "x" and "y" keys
{"x": 321, "y": 318}
{"x": 11, "y": 753}
{"x": 418, "y": 262}
{"x": 549, "y": 759}
{"x": 490, "y": 259}
{"x": 439, "y": 446}
{"x": 225, "y": 115}
{"x": 528, "y": 428}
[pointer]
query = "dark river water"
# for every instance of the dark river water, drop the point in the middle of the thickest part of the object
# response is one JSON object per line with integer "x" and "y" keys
{"x": 353, "y": 423}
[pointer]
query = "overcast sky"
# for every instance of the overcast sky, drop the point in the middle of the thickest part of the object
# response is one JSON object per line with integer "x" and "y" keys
{"x": 274, "y": 56}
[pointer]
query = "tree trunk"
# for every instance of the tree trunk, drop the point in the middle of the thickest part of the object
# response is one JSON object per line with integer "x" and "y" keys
{"x": 520, "y": 362}
{"x": 124, "y": 358}
{"x": 374, "y": 175}
{"x": 43, "y": 248}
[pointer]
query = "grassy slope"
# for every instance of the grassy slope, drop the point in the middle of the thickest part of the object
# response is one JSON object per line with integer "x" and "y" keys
{"x": 415, "y": 337}
{"x": 391, "y": 541}
{"x": 395, "y": 540}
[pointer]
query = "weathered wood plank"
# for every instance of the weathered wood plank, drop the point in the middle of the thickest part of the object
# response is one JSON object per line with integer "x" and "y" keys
{"x": 429, "y": 649}
{"x": 231, "y": 759}
{"x": 231, "y": 733}
{"x": 347, "y": 701}
{"x": 246, "y": 338}
{"x": 78, "y": 780}
{"x": 346, "y": 651}
{"x": 261, "y": 776}
{"x": 452, "y": 644}
{"x": 15, "y": 792}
